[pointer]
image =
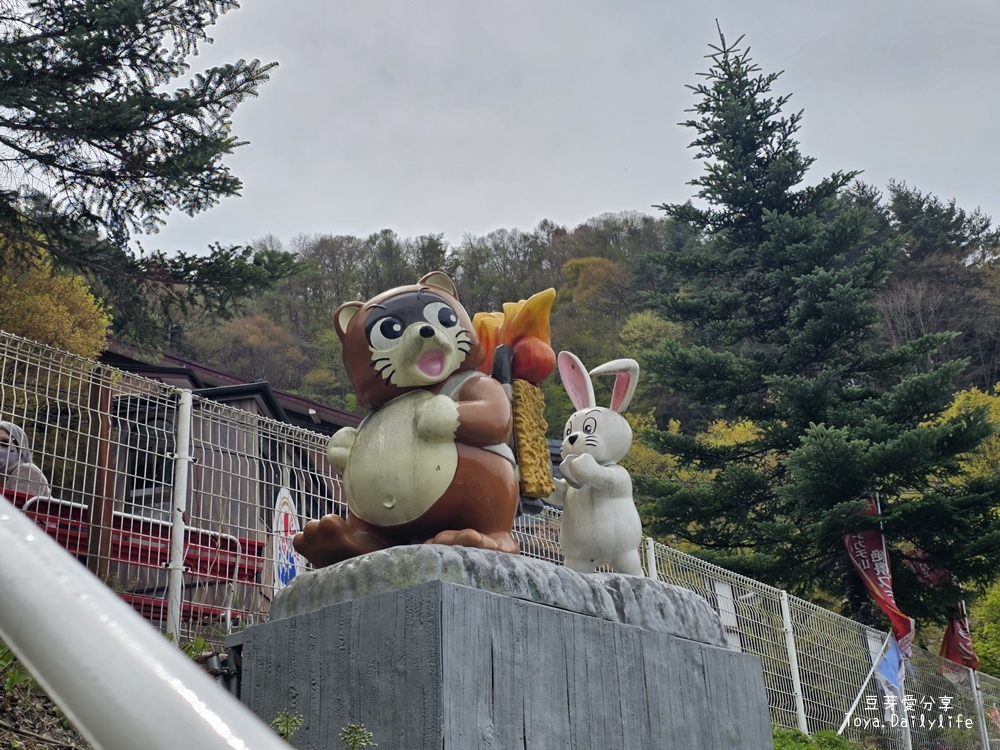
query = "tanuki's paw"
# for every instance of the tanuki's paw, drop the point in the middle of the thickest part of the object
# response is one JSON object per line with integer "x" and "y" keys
{"x": 502, "y": 541}
{"x": 331, "y": 539}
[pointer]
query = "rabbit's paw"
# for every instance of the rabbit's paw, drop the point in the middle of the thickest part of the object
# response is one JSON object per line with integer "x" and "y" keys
{"x": 566, "y": 469}
{"x": 582, "y": 469}
{"x": 558, "y": 496}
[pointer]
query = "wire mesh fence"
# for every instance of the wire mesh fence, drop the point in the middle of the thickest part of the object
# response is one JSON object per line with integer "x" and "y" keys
{"x": 990, "y": 689}
{"x": 186, "y": 507}
{"x": 750, "y": 614}
{"x": 135, "y": 505}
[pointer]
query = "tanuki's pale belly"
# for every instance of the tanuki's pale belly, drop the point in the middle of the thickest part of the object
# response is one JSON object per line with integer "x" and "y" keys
{"x": 392, "y": 475}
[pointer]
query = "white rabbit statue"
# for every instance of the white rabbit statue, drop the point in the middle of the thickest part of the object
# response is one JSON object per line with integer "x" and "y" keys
{"x": 600, "y": 524}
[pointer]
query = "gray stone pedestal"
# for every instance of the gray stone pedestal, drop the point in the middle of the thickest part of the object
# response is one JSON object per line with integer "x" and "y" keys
{"x": 456, "y": 649}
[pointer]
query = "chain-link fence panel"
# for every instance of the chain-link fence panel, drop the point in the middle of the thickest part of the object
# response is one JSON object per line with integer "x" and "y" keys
{"x": 112, "y": 481}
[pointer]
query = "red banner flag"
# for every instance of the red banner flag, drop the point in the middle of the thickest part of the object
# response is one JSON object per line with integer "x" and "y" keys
{"x": 995, "y": 716}
{"x": 928, "y": 573}
{"x": 867, "y": 552}
{"x": 956, "y": 648}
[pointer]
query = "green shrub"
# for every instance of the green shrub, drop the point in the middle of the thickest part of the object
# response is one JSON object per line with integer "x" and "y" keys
{"x": 357, "y": 737}
{"x": 792, "y": 739}
{"x": 286, "y": 724}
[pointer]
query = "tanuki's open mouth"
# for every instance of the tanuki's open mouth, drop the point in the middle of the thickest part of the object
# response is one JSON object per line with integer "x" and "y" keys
{"x": 432, "y": 363}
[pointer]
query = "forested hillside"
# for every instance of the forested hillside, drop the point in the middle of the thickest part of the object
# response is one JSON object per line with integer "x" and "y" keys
{"x": 947, "y": 278}
{"x": 802, "y": 342}
{"x": 599, "y": 269}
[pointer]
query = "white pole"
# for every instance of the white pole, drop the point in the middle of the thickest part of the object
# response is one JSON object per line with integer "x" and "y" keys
{"x": 651, "y": 570}
{"x": 793, "y": 662}
{"x": 977, "y": 693}
{"x": 182, "y": 462}
{"x": 864, "y": 684}
{"x": 905, "y": 731}
{"x": 117, "y": 679}
{"x": 977, "y": 696}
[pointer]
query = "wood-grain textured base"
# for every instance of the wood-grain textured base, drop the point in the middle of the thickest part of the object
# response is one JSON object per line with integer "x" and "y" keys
{"x": 440, "y": 666}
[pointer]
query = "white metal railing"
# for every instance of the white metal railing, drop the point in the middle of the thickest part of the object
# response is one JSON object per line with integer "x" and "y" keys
{"x": 174, "y": 501}
{"x": 119, "y": 681}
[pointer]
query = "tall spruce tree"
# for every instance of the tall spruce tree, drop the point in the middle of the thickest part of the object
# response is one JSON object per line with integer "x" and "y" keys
{"x": 100, "y": 137}
{"x": 777, "y": 300}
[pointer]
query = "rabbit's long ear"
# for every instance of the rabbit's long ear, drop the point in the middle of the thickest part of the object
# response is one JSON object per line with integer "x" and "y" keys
{"x": 576, "y": 381}
{"x": 626, "y": 373}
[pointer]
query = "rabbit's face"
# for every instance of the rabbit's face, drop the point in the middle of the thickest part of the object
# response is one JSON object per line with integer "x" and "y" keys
{"x": 602, "y": 433}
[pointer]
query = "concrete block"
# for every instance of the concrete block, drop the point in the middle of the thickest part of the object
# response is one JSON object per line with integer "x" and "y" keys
{"x": 632, "y": 600}
{"x": 444, "y": 665}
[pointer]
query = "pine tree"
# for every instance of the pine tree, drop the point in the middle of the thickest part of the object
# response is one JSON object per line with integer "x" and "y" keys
{"x": 100, "y": 138}
{"x": 777, "y": 300}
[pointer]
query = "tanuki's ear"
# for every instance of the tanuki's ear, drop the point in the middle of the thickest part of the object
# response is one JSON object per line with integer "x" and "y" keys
{"x": 440, "y": 280}
{"x": 342, "y": 316}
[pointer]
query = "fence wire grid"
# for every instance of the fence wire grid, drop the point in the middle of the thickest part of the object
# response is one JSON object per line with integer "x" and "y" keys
{"x": 186, "y": 507}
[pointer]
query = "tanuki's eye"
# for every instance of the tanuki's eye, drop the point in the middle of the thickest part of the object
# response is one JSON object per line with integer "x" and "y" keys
{"x": 440, "y": 314}
{"x": 386, "y": 333}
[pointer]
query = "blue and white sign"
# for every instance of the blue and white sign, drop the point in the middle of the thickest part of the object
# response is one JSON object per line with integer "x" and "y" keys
{"x": 287, "y": 562}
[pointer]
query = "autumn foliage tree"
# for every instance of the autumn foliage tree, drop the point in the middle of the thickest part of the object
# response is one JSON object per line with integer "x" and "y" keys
{"x": 257, "y": 349}
{"x": 52, "y": 307}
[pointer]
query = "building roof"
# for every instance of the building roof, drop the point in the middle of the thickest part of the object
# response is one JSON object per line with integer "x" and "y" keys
{"x": 224, "y": 387}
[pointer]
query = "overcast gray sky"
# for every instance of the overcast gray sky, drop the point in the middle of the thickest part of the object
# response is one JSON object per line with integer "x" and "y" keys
{"x": 463, "y": 116}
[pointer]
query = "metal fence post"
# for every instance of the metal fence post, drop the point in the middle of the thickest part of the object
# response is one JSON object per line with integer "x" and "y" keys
{"x": 102, "y": 499}
{"x": 182, "y": 461}
{"x": 793, "y": 661}
{"x": 977, "y": 701}
{"x": 651, "y": 570}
